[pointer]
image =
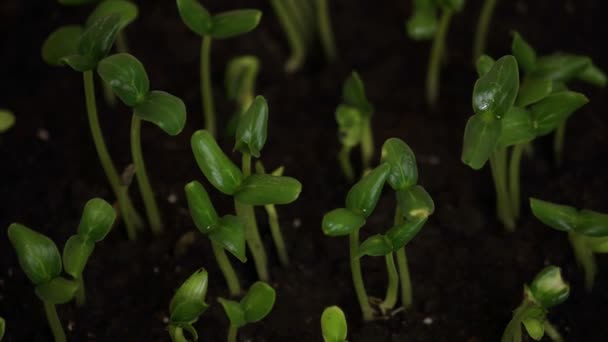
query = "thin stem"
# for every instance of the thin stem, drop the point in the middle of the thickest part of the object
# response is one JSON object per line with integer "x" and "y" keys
{"x": 584, "y": 257}
{"x": 296, "y": 41}
{"x": 54, "y": 322}
{"x": 512, "y": 332}
{"x": 558, "y": 143}
{"x": 325, "y": 30}
{"x": 481, "y": 34}
{"x": 367, "y": 144}
{"x": 345, "y": 164}
{"x": 81, "y": 296}
{"x": 552, "y": 332}
{"x": 277, "y": 235}
{"x": 234, "y": 286}
{"x": 514, "y": 177}
{"x": 432, "y": 76}
{"x": 393, "y": 284}
{"x": 121, "y": 42}
{"x": 177, "y": 334}
{"x": 130, "y": 216}
{"x": 355, "y": 267}
{"x": 497, "y": 163}
{"x": 232, "y": 333}
{"x": 404, "y": 271}
{"x": 206, "y": 86}
{"x": 145, "y": 188}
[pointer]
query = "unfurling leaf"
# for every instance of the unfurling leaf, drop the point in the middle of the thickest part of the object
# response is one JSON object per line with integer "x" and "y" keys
{"x": 166, "y": 111}
{"x": 556, "y": 216}
{"x": 349, "y": 125}
{"x": 495, "y": 92}
{"x": 516, "y": 128}
{"x": 403, "y": 233}
{"x": 252, "y": 127}
{"x": 38, "y": 255}
{"x": 126, "y": 9}
{"x": 195, "y": 16}
{"x": 333, "y": 325}
{"x": 532, "y": 90}
{"x": 97, "y": 220}
{"x": 188, "y": 303}
{"x": 484, "y": 64}
{"x": 375, "y": 245}
{"x": 126, "y": 76}
{"x": 554, "y": 109}
{"x": 339, "y": 222}
{"x": 61, "y": 43}
{"x": 549, "y": 288}
{"x": 415, "y": 203}
{"x": 215, "y": 165}
{"x": 480, "y": 139}
{"x": 523, "y": 52}
{"x": 401, "y": 158}
{"x": 76, "y": 253}
{"x": 258, "y": 301}
{"x": 57, "y": 291}
{"x": 234, "y": 23}
{"x": 353, "y": 94}
{"x": 201, "y": 208}
{"x": 97, "y": 38}
{"x": 268, "y": 189}
{"x": 230, "y": 234}
{"x": 363, "y": 196}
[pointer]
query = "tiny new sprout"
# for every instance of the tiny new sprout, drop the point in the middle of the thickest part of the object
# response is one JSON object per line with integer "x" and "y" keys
{"x": 547, "y": 290}
{"x": 129, "y": 81}
{"x": 220, "y": 26}
{"x": 81, "y": 49}
{"x": 587, "y": 231}
{"x": 507, "y": 117}
{"x": 256, "y": 305}
{"x": 7, "y": 120}
{"x": 247, "y": 189}
{"x": 333, "y": 325}
{"x": 187, "y": 304}
{"x": 225, "y": 233}
{"x": 354, "y": 125}
{"x": 239, "y": 81}
{"x": 551, "y": 74}
{"x": 481, "y": 33}
{"x": 423, "y": 25}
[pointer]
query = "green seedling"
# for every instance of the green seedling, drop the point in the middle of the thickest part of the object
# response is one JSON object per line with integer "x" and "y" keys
{"x": 508, "y": 117}
{"x": 220, "y": 26}
{"x": 547, "y": 290}
{"x": 256, "y": 305}
{"x": 2, "y": 328}
{"x": 247, "y": 189}
{"x": 40, "y": 259}
{"x": 552, "y": 74}
{"x": 81, "y": 49}
{"x": 226, "y": 233}
{"x": 587, "y": 231}
{"x": 481, "y": 33}
{"x": 129, "y": 81}
{"x": 326, "y": 32}
{"x": 424, "y": 25}
{"x": 187, "y": 304}
{"x": 354, "y": 125}
{"x": 7, "y": 120}
{"x": 333, "y": 325}
{"x": 239, "y": 81}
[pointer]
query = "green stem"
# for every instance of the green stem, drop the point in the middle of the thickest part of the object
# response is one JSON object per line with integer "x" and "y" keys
{"x": 393, "y": 284}
{"x": 345, "y": 164}
{"x": 584, "y": 257}
{"x": 206, "y": 86}
{"x": 234, "y": 286}
{"x": 558, "y": 143}
{"x": 81, "y": 297}
{"x": 404, "y": 271}
{"x": 355, "y": 267}
{"x": 145, "y": 188}
{"x": 232, "y": 333}
{"x": 130, "y": 216}
{"x": 512, "y": 332}
{"x": 121, "y": 42}
{"x": 367, "y": 144}
{"x": 54, "y": 322}
{"x": 514, "y": 177}
{"x": 177, "y": 334}
{"x": 498, "y": 165}
{"x": 552, "y": 332}
{"x": 432, "y": 77}
{"x": 325, "y": 30}
{"x": 295, "y": 40}
{"x": 254, "y": 241}
{"x": 481, "y": 34}
{"x": 277, "y": 235}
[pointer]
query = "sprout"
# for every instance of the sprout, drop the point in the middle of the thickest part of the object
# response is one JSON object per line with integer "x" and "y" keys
{"x": 187, "y": 304}
{"x": 241, "y": 73}
{"x": 256, "y": 305}
{"x": 547, "y": 290}
{"x": 82, "y": 49}
{"x": 587, "y": 231}
{"x": 333, "y": 325}
{"x": 129, "y": 81}
{"x": 220, "y": 26}
{"x": 7, "y": 120}
{"x": 423, "y": 25}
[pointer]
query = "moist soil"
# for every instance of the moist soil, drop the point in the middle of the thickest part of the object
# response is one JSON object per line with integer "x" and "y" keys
{"x": 467, "y": 272}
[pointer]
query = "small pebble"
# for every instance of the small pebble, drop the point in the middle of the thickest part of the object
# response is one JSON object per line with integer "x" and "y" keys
{"x": 297, "y": 223}
{"x": 427, "y": 321}
{"x": 165, "y": 319}
{"x": 70, "y": 326}
{"x": 155, "y": 270}
{"x": 172, "y": 198}
{"x": 43, "y": 134}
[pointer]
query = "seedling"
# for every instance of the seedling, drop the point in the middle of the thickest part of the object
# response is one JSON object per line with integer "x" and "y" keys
{"x": 424, "y": 25}
{"x": 239, "y": 81}
{"x": 587, "y": 231}
{"x": 256, "y": 305}
{"x": 247, "y": 189}
{"x": 129, "y": 81}
{"x": 507, "y": 115}
{"x": 225, "y": 233}
{"x": 354, "y": 125}
{"x": 40, "y": 259}
{"x": 481, "y": 33}
{"x": 547, "y": 290}
{"x": 552, "y": 74}
{"x": 333, "y": 325}
{"x": 81, "y": 49}
{"x": 187, "y": 304}
{"x": 220, "y": 26}
{"x": 7, "y": 120}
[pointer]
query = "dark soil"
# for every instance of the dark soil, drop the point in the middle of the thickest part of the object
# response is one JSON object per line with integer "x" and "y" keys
{"x": 467, "y": 272}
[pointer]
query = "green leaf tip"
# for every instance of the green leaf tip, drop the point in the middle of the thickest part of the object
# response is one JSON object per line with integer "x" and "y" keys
{"x": 549, "y": 288}
{"x": 333, "y": 325}
{"x": 38, "y": 255}
{"x": 340, "y": 222}
{"x": 221, "y": 172}
{"x": 252, "y": 128}
{"x": 188, "y": 303}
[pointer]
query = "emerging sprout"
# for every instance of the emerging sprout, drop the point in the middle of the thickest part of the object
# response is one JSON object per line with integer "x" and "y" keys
{"x": 333, "y": 325}
{"x": 7, "y": 120}
{"x": 256, "y": 305}
{"x": 547, "y": 290}
{"x": 81, "y": 49}
{"x": 129, "y": 81}
{"x": 587, "y": 231}
{"x": 187, "y": 305}
{"x": 241, "y": 74}
{"x": 220, "y": 26}
{"x": 423, "y": 25}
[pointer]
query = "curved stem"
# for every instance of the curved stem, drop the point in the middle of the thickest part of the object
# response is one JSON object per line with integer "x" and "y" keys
{"x": 367, "y": 144}
{"x": 558, "y": 143}
{"x": 355, "y": 267}
{"x": 432, "y": 76}
{"x": 512, "y": 332}
{"x": 54, "y": 322}
{"x": 295, "y": 40}
{"x": 584, "y": 257}
{"x": 277, "y": 235}
{"x": 232, "y": 333}
{"x": 404, "y": 271}
{"x": 234, "y": 286}
{"x": 206, "y": 86}
{"x": 81, "y": 297}
{"x": 393, "y": 284}
{"x": 130, "y": 216}
{"x": 325, "y": 30}
{"x": 145, "y": 188}
{"x": 121, "y": 42}
{"x": 177, "y": 334}
{"x": 481, "y": 34}
{"x": 345, "y": 164}
{"x": 552, "y": 332}
{"x": 514, "y": 177}
{"x": 497, "y": 163}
